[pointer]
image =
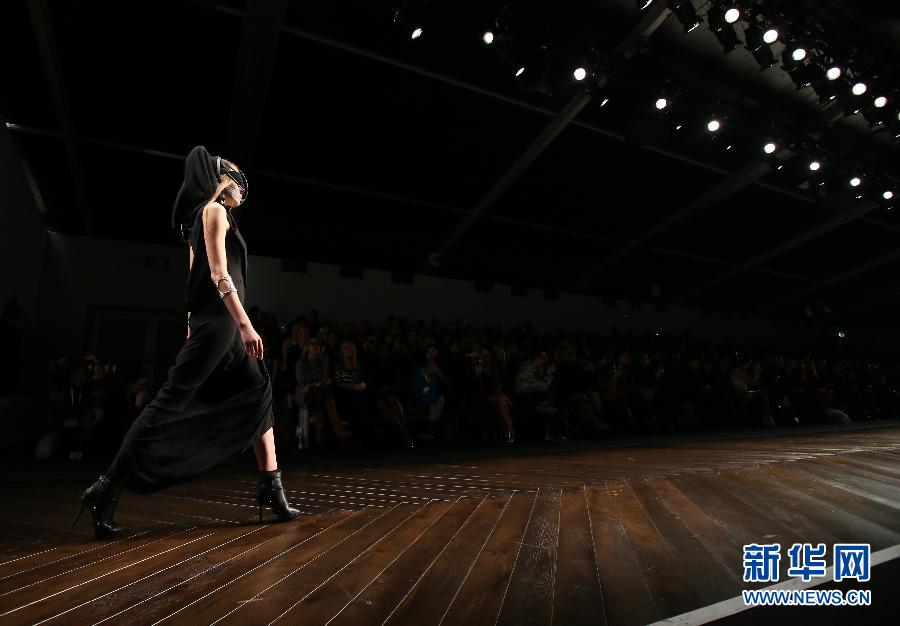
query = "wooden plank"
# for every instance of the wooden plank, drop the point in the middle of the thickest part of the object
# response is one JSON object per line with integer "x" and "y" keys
{"x": 48, "y": 600}
{"x": 480, "y": 596}
{"x": 270, "y": 580}
{"x": 873, "y": 463}
{"x": 878, "y": 492}
{"x": 696, "y": 567}
{"x": 654, "y": 555}
{"x": 879, "y": 524}
{"x": 376, "y": 601}
{"x": 341, "y": 578}
{"x": 715, "y": 541}
{"x": 742, "y": 521}
{"x": 136, "y": 594}
{"x": 529, "y": 595}
{"x": 577, "y": 596}
{"x": 431, "y": 595}
{"x": 87, "y": 564}
{"x": 781, "y": 505}
{"x": 626, "y": 598}
{"x": 847, "y": 466}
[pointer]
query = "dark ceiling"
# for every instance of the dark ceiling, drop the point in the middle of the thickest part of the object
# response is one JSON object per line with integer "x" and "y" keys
{"x": 366, "y": 148}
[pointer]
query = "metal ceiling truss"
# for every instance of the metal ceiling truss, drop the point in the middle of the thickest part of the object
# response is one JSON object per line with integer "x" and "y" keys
{"x": 866, "y": 206}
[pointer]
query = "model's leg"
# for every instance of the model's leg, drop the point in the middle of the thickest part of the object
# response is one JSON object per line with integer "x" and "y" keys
{"x": 264, "y": 449}
{"x": 269, "y": 488}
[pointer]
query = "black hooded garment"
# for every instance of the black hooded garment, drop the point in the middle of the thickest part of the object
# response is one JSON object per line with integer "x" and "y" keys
{"x": 217, "y": 400}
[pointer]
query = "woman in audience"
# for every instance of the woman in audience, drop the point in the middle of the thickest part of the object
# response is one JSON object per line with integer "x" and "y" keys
{"x": 315, "y": 388}
{"x": 350, "y": 386}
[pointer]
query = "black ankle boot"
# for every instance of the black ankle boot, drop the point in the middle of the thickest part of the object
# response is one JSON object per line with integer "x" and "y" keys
{"x": 101, "y": 499}
{"x": 269, "y": 490}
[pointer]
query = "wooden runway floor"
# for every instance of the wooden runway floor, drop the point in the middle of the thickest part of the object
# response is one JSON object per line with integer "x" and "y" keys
{"x": 601, "y": 535}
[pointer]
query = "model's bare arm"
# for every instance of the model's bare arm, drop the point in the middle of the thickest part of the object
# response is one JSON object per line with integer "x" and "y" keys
{"x": 215, "y": 225}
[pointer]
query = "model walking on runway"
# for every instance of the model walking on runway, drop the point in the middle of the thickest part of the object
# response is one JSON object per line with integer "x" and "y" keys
{"x": 217, "y": 400}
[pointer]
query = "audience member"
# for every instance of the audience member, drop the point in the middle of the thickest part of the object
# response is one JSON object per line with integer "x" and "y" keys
{"x": 316, "y": 390}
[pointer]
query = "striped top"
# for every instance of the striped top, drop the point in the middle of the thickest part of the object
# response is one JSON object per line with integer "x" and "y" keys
{"x": 346, "y": 377}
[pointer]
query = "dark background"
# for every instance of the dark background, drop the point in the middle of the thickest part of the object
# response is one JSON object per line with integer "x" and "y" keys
{"x": 366, "y": 148}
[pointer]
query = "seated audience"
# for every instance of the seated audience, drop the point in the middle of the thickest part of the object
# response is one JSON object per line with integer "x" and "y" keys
{"x": 428, "y": 388}
{"x": 350, "y": 387}
{"x": 315, "y": 389}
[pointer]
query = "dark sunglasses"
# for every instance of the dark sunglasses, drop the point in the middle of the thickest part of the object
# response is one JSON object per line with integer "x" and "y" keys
{"x": 239, "y": 178}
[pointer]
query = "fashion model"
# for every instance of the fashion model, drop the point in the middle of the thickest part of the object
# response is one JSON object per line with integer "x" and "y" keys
{"x": 217, "y": 400}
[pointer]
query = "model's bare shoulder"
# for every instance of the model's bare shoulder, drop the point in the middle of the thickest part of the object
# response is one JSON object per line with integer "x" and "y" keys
{"x": 215, "y": 215}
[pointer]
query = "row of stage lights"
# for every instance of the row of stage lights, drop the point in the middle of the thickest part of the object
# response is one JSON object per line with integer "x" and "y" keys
{"x": 718, "y": 12}
{"x": 807, "y": 68}
{"x": 686, "y": 13}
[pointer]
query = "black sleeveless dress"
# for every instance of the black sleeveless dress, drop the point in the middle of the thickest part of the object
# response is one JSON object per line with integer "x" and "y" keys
{"x": 217, "y": 400}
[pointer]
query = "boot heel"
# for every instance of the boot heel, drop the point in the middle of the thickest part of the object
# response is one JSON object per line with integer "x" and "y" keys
{"x": 78, "y": 516}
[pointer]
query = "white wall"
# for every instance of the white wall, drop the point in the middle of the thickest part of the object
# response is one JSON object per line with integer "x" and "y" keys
{"x": 84, "y": 272}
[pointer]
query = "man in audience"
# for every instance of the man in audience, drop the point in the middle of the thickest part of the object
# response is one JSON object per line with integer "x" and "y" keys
{"x": 533, "y": 393}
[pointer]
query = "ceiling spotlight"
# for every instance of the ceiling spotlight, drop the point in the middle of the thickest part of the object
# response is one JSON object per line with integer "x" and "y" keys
{"x": 770, "y": 36}
{"x": 814, "y": 165}
{"x": 646, "y": 4}
{"x": 603, "y": 103}
{"x": 724, "y": 33}
{"x": 728, "y": 147}
{"x": 678, "y": 127}
{"x": 769, "y": 148}
{"x": 732, "y": 15}
{"x": 880, "y": 101}
{"x": 855, "y": 181}
{"x": 833, "y": 73}
{"x": 887, "y": 195}
{"x": 687, "y": 15}
{"x": 779, "y": 167}
{"x": 416, "y": 33}
{"x": 799, "y": 54}
{"x": 859, "y": 89}
{"x": 520, "y": 71}
{"x": 579, "y": 73}
{"x": 764, "y": 56}
{"x": 713, "y": 125}
{"x": 488, "y": 37}
{"x": 661, "y": 103}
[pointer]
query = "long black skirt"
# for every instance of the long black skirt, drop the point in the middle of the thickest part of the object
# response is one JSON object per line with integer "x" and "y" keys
{"x": 216, "y": 402}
